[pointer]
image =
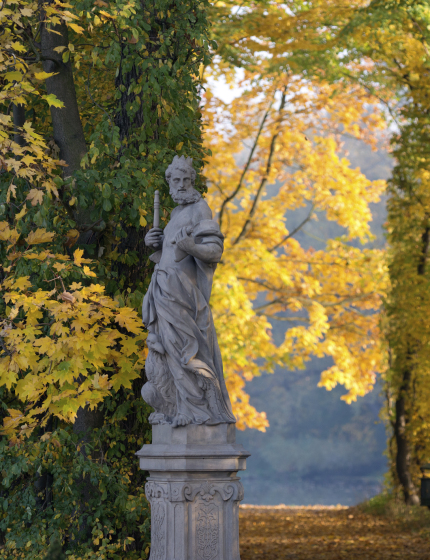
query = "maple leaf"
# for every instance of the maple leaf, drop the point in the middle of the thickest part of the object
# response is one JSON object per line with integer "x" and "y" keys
{"x": 13, "y": 420}
{"x": 78, "y": 259}
{"x": 13, "y": 76}
{"x": 77, "y": 256}
{"x": 35, "y": 196}
{"x": 89, "y": 272}
{"x": 127, "y": 317}
{"x": 53, "y": 101}
{"x": 28, "y": 160}
{"x": 39, "y": 236}
{"x": 102, "y": 382}
{"x": 59, "y": 266}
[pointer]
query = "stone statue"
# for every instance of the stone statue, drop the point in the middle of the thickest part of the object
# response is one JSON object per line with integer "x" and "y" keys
{"x": 184, "y": 367}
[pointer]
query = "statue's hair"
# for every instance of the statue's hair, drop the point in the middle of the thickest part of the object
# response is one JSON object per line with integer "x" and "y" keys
{"x": 183, "y": 164}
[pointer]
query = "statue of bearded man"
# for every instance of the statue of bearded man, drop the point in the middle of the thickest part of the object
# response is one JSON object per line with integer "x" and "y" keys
{"x": 184, "y": 367}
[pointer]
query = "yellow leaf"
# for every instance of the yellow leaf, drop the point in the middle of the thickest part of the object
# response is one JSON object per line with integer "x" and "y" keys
{"x": 36, "y": 196}
{"x": 14, "y": 418}
{"x": 102, "y": 382}
{"x": 72, "y": 201}
{"x": 11, "y": 191}
{"x": 53, "y": 100}
{"x": 18, "y": 47}
{"x": 39, "y": 236}
{"x": 44, "y": 75}
{"x": 59, "y": 266}
{"x": 28, "y": 160}
{"x": 4, "y": 231}
{"x": 71, "y": 237}
{"x": 22, "y": 213}
{"x": 77, "y": 256}
{"x": 13, "y": 76}
{"x": 89, "y": 272}
{"x": 76, "y": 28}
{"x": 106, "y": 15}
{"x": 143, "y": 221}
{"x": 179, "y": 146}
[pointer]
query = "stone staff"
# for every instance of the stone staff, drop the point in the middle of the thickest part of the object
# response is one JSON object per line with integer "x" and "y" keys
{"x": 156, "y": 221}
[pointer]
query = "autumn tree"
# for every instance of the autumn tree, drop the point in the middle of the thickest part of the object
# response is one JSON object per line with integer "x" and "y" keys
{"x": 397, "y": 39}
{"x": 275, "y": 149}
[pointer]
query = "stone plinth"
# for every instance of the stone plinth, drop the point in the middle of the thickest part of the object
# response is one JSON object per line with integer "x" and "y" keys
{"x": 194, "y": 491}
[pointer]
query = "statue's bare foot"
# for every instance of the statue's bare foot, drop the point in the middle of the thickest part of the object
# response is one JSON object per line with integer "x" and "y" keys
{"x": 157, "y": 418}
{"x": 180, "y": 420}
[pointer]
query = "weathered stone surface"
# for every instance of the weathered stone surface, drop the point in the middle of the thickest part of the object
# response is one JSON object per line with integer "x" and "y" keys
{"x": 194, "y": 492}
{"x": 193, "y": 448}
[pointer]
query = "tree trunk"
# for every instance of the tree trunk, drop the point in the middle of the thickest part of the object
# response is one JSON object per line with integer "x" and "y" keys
{"x": 18, "y": 122}
{"x": 69, "y": 136}
{"x": 66, "y": 122}
{"x": 403, "y": 453}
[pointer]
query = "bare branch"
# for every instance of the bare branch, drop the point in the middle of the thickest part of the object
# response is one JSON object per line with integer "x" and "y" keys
{"x": 263, "y": 182}
{"x": 295, "y": 230}
{"x": 245, "y": 169}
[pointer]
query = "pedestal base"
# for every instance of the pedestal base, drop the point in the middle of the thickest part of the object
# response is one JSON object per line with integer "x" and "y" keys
{"x": 194, "y": 491}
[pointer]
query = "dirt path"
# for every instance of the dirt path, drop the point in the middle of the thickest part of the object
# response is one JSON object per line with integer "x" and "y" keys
{"x": 327, "y": 534}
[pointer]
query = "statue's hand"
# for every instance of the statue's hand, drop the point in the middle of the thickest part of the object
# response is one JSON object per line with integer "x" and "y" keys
{"x": 184, "y": 241}
{"x": 154, "y": 238}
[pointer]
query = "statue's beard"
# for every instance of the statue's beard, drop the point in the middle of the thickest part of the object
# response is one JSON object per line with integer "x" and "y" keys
{"x": 189, "y": 197}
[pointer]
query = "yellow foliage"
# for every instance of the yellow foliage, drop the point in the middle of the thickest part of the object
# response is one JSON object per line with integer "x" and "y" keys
{"x": 271, "y": 157}
{"x": 63, "y": 349}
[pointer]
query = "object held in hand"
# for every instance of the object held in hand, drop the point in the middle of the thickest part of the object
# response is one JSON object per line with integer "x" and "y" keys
{"x": 156, "y": 221}
{"x": 206, "y": 228}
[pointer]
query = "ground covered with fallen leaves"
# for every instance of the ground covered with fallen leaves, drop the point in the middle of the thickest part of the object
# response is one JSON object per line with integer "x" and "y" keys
{"x": 335, "y": 533}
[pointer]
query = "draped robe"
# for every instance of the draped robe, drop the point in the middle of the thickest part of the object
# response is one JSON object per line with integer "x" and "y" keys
{"x": 176, "y": 309}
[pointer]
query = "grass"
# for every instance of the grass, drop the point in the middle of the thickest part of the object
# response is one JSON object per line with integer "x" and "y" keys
{"x": 392, "y": 507}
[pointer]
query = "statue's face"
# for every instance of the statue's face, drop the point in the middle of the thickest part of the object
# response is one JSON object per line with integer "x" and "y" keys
{"x": 180, "y": 181}
{"x": 181, "y": 187}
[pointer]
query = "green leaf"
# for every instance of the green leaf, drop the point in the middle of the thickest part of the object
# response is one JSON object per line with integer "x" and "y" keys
{"x": 107, "y": 206}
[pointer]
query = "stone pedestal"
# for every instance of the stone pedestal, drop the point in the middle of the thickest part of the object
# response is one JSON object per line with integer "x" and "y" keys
{"x": 194, "y": 491}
